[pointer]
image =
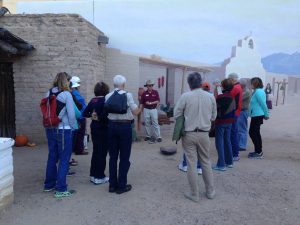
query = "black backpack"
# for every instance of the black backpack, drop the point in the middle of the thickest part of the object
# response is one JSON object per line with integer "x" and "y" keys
{"x": 117, "y": 103}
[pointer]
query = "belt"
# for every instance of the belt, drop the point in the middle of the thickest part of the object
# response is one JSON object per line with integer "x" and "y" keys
{"x": 199, "y": 130}
{"x": 150, "y": 108}
{"x": 121, "y": 121}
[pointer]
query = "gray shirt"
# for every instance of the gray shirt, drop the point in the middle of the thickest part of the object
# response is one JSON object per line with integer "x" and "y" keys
{"x": 67, "y": 114}
{"x": 199, "y": 109}
{"x": 131, "y": 106}
{"x": 246, "y": 99}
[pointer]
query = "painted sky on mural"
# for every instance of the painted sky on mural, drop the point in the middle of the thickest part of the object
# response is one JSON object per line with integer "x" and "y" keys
{"x": 194, "y": 30}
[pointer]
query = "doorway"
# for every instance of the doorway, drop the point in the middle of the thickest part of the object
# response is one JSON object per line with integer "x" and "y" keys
{"x": 7, "y": 101}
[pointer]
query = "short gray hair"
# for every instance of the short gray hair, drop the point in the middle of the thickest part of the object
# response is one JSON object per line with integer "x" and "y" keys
{"x": 119, "y": 80}
{"x": 243, "y": 82}
{"x": 233, "y": 76}
{"x": 194, "y": 80}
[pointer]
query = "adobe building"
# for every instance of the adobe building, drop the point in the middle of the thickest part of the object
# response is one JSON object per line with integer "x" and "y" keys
{"x": 170, "y": 76}
{"x": 244, "y": 60}
{"x": 38, "y": 47}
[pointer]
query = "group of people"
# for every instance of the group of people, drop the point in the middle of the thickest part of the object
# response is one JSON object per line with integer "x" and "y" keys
{"x": 229, "y": 107}
{"x": 111, "y": 131}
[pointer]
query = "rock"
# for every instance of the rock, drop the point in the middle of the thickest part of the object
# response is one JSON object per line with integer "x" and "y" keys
{"x": 168, "y": 150}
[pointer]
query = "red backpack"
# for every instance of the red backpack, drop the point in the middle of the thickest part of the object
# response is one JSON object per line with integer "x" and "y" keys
{"x": 49, "y": 108}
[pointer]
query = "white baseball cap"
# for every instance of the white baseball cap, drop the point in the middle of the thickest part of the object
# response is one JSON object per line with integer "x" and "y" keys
{"x": 74, "y": 85}
{"x": 75, "y": 79}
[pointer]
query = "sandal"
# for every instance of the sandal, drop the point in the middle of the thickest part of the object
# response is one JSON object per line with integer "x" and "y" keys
{"x": 73, "y": 162}
{"x": 62, "y": 194}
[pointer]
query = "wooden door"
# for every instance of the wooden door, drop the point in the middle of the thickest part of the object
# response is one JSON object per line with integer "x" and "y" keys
{"x": 7, "y": 101}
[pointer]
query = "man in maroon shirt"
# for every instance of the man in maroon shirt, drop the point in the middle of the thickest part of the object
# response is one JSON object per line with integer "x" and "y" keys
{"x": 237, "y": 94}
{"x": 149, "y": 101}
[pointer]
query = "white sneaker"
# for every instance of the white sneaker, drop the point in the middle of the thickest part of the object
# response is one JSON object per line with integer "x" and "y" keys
{"x": 92, "y": 179}
{"x": 101, "y": 181}
{"x": 182, "y": 168}
{"x": 199, "y": 171}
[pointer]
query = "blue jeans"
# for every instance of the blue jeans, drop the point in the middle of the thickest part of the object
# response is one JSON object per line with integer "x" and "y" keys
{"x": 234, "y": 136}
{"x": 60, "y": 150}
{"x": 119, "y": 142}
{"x": 184, "y": 163}
{"x": 223, "y": 144}
{"x": 243, "y": 129}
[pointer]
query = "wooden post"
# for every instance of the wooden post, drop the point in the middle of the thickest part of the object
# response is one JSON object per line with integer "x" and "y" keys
{"x": 273, "y": 86}
{"x": 284, "y": 84}
{"x": 278, "y": 83}
{"x": 183, "y": 79}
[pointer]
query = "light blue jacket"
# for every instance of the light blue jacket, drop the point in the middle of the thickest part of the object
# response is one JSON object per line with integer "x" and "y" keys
{"x": 258, "y": 105}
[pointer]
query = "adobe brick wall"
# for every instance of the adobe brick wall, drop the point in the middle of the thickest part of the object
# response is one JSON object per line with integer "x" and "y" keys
{"x": 63, "y": 42}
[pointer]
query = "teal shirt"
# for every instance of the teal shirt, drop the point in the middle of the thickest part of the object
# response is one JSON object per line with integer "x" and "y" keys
{"x": 258, "y": 105}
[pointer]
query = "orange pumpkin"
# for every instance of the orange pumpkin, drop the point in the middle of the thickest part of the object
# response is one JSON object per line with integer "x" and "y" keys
{"x": 21, "y": 140}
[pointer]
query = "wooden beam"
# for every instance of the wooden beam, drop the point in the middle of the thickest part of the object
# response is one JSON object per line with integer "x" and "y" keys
{"x": 4, "y": 46}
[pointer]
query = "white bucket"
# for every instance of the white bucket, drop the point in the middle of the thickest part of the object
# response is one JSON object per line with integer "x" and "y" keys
{"x": 6, "y": 172}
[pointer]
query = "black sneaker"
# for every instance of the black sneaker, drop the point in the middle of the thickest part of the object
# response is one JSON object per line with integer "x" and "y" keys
{"x": 112, "y": 189}
{"x": 126, "y": 189}
{"x": 250, "y": 154}
{"x": 159, "y": 139}
{"x": 256, "y": 155}
{"x": 147, "y": 139}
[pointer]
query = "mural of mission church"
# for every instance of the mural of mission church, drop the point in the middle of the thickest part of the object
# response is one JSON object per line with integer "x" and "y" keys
{"x": 34, "y": 48}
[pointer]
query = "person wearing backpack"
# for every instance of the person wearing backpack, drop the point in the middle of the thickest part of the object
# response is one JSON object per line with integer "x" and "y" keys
{"x": 121, "y": 108}
{"x": 59, "y": 138}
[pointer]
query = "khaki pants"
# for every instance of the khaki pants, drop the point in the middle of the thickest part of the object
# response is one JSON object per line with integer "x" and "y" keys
{"x": 151, "y": 116}
{"x": 196, "y": 147}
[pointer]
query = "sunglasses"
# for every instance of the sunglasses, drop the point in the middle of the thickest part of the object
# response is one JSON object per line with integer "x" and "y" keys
{"x": 151, "y": 85}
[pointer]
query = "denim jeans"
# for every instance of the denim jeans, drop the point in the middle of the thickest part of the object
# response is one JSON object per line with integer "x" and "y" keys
{"x": 119, "y": 142}
{"x": 184, "y": 163}
{"x": 234, "y": 137}
{"x": 243, "y": 129}
{"x": 60, "y": 150}
{"x": 223, "y": 144}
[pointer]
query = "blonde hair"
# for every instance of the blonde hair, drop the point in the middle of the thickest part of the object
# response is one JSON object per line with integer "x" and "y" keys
{"x": 61, "y": 81}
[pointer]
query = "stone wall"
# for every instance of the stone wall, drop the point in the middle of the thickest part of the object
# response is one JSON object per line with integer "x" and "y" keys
{"x": 63, "y": 42}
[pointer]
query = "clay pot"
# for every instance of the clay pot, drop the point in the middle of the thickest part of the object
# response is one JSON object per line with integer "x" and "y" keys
{"x": 21, "y": 140}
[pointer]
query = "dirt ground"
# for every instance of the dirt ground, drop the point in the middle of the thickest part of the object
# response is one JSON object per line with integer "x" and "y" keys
{"x": 253, "y": 192}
